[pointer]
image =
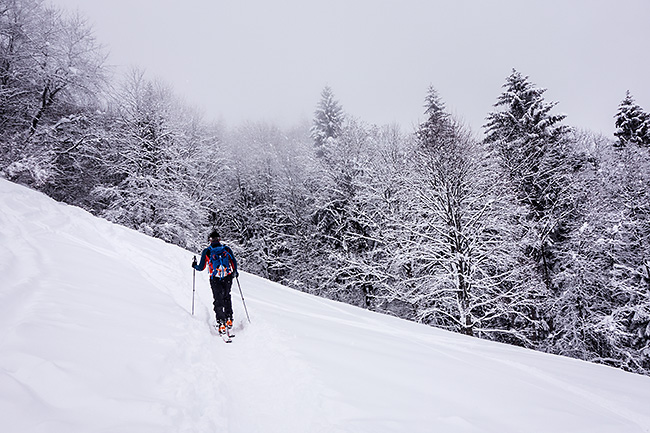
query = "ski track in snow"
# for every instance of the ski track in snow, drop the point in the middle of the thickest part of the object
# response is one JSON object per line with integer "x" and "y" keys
{"x": 206, "y": 385}
{"x": 96, "y": 335}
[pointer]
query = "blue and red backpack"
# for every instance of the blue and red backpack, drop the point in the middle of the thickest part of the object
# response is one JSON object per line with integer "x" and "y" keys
{"x": 220, "y": 261}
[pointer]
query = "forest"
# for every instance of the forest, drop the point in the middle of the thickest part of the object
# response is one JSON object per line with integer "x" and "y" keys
{"x": 530, "y": 232}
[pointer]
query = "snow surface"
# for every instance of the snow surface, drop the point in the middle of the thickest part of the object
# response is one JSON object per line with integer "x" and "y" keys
{"x": 96, "y": 335}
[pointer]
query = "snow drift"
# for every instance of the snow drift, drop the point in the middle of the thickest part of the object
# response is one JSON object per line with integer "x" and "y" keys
{"x": 96, "y": 335}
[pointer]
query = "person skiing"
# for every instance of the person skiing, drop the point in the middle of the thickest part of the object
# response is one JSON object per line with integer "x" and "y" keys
{"x": 223, "y": 267}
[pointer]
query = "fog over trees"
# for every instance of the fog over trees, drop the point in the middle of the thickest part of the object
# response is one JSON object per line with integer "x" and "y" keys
{"x": 531, "y": 232}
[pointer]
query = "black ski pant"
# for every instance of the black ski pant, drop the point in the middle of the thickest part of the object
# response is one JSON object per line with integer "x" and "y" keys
{"x": 222, "y": 300}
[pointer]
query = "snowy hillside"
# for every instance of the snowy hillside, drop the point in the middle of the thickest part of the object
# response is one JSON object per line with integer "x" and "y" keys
{"x": 96, "y": 335}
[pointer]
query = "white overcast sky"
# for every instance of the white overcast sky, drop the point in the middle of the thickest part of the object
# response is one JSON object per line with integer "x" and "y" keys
{"x": 269, "y": 59}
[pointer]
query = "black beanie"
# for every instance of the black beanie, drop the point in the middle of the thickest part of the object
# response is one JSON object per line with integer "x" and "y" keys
{"x": 214, "y": 235}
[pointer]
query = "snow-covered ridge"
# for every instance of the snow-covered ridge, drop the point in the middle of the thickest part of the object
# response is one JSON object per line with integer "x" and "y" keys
{"x": 96, "y": 335}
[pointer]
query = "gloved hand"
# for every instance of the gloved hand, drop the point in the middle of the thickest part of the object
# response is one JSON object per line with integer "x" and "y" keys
{"x": 194, "y": 261}
{"x": 236, "y": 274}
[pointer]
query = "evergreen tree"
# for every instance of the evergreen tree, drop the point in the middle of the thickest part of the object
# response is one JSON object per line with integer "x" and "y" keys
{"x": 328, "y": 121}
{"x": 532, "y": 148}
{"x": 525, "y": 113}
{"x": 632, "y": 123}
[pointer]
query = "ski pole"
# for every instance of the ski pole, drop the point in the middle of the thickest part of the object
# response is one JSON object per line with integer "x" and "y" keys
{"x": 193, "y": 284}
{"x": 242, "y": 300}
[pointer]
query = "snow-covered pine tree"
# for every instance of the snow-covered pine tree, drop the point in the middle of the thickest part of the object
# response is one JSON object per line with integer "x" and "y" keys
{"x": 632, "y": 123}
{"x": 328, "y": 121}
{"x": 530, "y": 143}
{"x": 524, "y": 114}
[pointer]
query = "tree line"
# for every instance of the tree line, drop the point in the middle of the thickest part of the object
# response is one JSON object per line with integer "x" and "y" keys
{"x": 535, "y": 233}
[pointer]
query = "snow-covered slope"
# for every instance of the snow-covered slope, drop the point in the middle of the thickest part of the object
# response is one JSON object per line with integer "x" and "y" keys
{"x": 96, "y": 335}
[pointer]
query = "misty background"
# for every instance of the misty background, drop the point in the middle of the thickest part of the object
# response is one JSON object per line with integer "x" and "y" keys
{"x": 260, "y": 60}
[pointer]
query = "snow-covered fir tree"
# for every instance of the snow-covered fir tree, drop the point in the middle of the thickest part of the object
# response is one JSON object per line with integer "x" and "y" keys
{"x": 523, "y": 113}
{"x": 529, "y": 140}
{"x": 632, "y": 123}
{"x": 328, "y": 121}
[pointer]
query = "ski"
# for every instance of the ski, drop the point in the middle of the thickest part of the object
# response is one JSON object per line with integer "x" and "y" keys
{"x": 225, "y": 336}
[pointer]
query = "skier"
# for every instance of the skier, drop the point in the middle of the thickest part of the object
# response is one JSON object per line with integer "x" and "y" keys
{"x": 223, "y": 267}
